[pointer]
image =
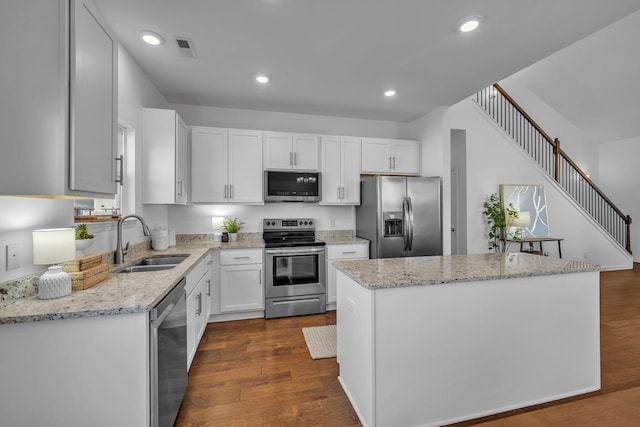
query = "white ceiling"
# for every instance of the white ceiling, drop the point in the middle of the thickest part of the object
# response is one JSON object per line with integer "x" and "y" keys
{"x": 594, "y": 83}
{"x": 335, "y": 57}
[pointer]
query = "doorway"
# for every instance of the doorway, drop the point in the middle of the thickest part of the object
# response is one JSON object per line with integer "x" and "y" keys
{"x": 458, "y": 191}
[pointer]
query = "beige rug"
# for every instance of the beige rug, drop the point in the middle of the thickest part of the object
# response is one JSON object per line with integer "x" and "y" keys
{"x": 321, "y": 341}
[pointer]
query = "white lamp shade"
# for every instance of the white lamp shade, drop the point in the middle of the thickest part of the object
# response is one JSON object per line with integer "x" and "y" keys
{"x": 54, "y": 245}
{"x": 523, "y": 220}
{"x": 216, "y": 222}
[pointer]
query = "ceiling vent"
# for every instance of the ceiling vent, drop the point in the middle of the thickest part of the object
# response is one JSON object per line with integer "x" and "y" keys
{"x": 185, "y": 47}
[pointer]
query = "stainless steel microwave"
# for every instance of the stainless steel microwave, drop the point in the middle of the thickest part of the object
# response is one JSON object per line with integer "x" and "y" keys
{"x": 291, "y": 186}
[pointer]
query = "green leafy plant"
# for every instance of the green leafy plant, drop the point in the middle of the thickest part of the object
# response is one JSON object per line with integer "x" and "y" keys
{"x": 496, "y": 219}
{"x": 82, "y": 233}
{"x": 232, "y": 225}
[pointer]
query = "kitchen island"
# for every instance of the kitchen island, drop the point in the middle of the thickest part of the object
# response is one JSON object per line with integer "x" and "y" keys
{"x": 436, "y": 340}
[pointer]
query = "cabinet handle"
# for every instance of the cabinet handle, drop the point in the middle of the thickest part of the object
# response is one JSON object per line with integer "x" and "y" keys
{"x": 390, "y": 167}
{"x": 339, "y": 193}
{"x": 241, "y": 257}
{"x": 226, "y": 193}
{"x": 295, "y": 158}
{"x": 208, "y": 287}
{"x": 290, "y": 158}
{"x": 348, "y": 252}
{"x": 121, "y": 174}
{"x": 199, "y": 308}
{"x": 260, "y": 277}
{"x": 342, "y": 196}
{"x": 180, "y": 188}
{"x": 394, "y": 161}
{"x": 230, "y": 191}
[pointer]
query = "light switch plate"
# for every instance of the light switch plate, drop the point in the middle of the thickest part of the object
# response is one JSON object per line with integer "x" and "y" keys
{"x": 13, "y": 261}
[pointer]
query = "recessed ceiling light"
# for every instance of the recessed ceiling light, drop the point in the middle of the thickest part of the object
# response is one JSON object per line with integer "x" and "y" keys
{"x": 390, "y": 92}
{"x": 470, "y": 23}
{"x": 151, "y": 37}
{"x": 262, "y": 79}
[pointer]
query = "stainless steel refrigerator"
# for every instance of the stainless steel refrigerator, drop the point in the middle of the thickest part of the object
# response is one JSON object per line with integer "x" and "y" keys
{"x": 400, "y": 216}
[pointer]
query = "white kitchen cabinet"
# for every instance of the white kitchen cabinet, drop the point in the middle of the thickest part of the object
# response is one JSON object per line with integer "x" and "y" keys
{"x": 291, "y": 151}
{"x": 198, "y": 289}
{"x": 226, "y": 166}
{"x": 390, "y": 156}
{"x": 241, "y": 280}
{"x": 60, "y": 125}
{"x": 341, "y": 253}
{"x": 165, "y": 161}
{"x": 340, "y": 157}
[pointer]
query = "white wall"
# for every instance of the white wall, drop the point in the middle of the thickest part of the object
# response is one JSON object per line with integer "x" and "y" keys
{"x": 195, "y": 115}
{"x": 620, "y": 180}
{"x": 573, "y": 141}
{"x": 433, "y": 130}
{"x": 493, "y": 159}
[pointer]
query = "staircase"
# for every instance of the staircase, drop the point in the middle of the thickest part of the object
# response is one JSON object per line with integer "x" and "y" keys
{"x": 546, "y": 152}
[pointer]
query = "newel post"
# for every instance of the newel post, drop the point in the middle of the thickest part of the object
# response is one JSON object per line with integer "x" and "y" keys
{"x": 556, "y": 159}
{"x": 628, "y": 243}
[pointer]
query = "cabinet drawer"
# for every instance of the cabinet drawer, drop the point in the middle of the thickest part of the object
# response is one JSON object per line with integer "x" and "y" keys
{"x": 347, "y": 251}
{"x": 241, "y": 256}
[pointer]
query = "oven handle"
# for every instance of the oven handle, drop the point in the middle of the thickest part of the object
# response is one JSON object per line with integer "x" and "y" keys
{"x": 294, "y": 251}
{"x": 295, "y": 301}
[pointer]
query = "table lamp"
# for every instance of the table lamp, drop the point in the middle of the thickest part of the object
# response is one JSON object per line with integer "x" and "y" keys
{"x": 53, "y": 246}
{"x": 522, "y": 221}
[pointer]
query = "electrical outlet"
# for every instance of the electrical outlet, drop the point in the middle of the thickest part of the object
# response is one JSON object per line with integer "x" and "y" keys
{"x": 13, "y": 261}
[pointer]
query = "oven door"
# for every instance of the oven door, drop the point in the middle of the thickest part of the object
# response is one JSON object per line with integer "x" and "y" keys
{"x": 295, "y": 271}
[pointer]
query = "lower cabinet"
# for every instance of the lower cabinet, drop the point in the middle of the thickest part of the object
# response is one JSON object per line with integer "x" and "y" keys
{"x": 241, "y": 280}
{"x": 341, "y": 253}
{"x": 198, "y": 291}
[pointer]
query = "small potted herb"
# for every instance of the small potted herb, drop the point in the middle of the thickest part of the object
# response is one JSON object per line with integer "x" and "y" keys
{"x": 232, "y": 226}
{"x": 83, "y": 239}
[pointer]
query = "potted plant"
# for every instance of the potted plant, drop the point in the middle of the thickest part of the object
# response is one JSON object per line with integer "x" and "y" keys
{"x": 83, "y": 239}
{"x": 232, "y": 226}
{"x": 496, "y": 219}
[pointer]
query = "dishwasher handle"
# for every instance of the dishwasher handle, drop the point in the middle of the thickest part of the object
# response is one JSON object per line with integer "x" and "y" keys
{"x": 158, "y": 313}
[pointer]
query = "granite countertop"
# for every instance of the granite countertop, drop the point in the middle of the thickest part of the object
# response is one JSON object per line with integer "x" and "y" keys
{"x": 130, "y": 292}
{"x": 416, "y": 271}
{"x": 344, "y": 240}
{"x": 120, "y": 294}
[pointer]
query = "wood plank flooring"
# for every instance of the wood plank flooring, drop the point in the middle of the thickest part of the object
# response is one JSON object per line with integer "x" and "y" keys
{"x": 258, "y": 373}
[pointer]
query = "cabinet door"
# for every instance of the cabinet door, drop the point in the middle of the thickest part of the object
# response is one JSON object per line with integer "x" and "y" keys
{"x": 208, "y": 165}
{"x": 245, "y": 166}
{"x": 192, "y": 305}
{"x": 181, "y": 162}
{"x": 306, "y": 151}
{"x": 241, "y": 288}
{"x": 331, "y": 175}
{"x": 406, "y": 157}
{"x": 350, "y": 170}
{"x": 93, "y": 112}
{"x": 278, "y": 150}
{"x": 376, "y": 155}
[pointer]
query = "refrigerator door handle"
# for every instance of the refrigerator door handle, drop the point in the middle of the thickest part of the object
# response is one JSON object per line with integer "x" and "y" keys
{"x": 405, "y": 223}
{"x": 410, "y": 222}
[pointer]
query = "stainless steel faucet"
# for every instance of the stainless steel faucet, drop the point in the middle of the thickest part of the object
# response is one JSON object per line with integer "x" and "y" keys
{"x": 120, "y": 252}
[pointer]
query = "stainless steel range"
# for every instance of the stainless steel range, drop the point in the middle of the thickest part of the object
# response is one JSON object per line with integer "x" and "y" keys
{"x": 295, "y": 268}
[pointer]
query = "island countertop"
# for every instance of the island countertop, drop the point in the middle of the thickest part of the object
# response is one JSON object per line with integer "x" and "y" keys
{"x": 431, "y": 270}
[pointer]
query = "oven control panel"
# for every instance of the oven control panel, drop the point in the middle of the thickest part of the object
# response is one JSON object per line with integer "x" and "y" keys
{"x": 289, "y": 224}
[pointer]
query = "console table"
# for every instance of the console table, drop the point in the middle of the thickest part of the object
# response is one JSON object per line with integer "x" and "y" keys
{"x": 532, "y": 241}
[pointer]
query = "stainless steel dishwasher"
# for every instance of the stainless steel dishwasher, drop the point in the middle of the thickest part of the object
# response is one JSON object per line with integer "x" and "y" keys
{"x": 168, "y": 356}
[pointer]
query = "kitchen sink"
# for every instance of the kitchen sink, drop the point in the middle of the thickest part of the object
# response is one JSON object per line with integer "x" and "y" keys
{"x": 162, "y": 260}
{"x": 156, "y": 263}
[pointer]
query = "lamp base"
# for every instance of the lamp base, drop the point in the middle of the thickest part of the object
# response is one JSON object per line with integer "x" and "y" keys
{"x": 54, "y": 283}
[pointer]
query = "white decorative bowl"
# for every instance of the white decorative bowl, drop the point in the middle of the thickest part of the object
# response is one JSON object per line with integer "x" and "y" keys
{"x": 81, "y": 245}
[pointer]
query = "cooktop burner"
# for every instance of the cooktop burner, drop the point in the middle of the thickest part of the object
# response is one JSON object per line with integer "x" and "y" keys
{"x": 290, "y": 232}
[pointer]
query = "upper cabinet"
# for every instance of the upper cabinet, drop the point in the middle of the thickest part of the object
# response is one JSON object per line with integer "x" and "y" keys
{"x": 164, "y": 157}
{"x": 226, "y": 166}
{"x": 390, "y": 156}
{"x": 291, "y": 151}
{"x": 340, "y": 170}
{"x": 60, "y": 124}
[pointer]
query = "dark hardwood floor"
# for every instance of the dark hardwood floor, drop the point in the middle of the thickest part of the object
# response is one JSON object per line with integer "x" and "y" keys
{"x": 258, "y": 373}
